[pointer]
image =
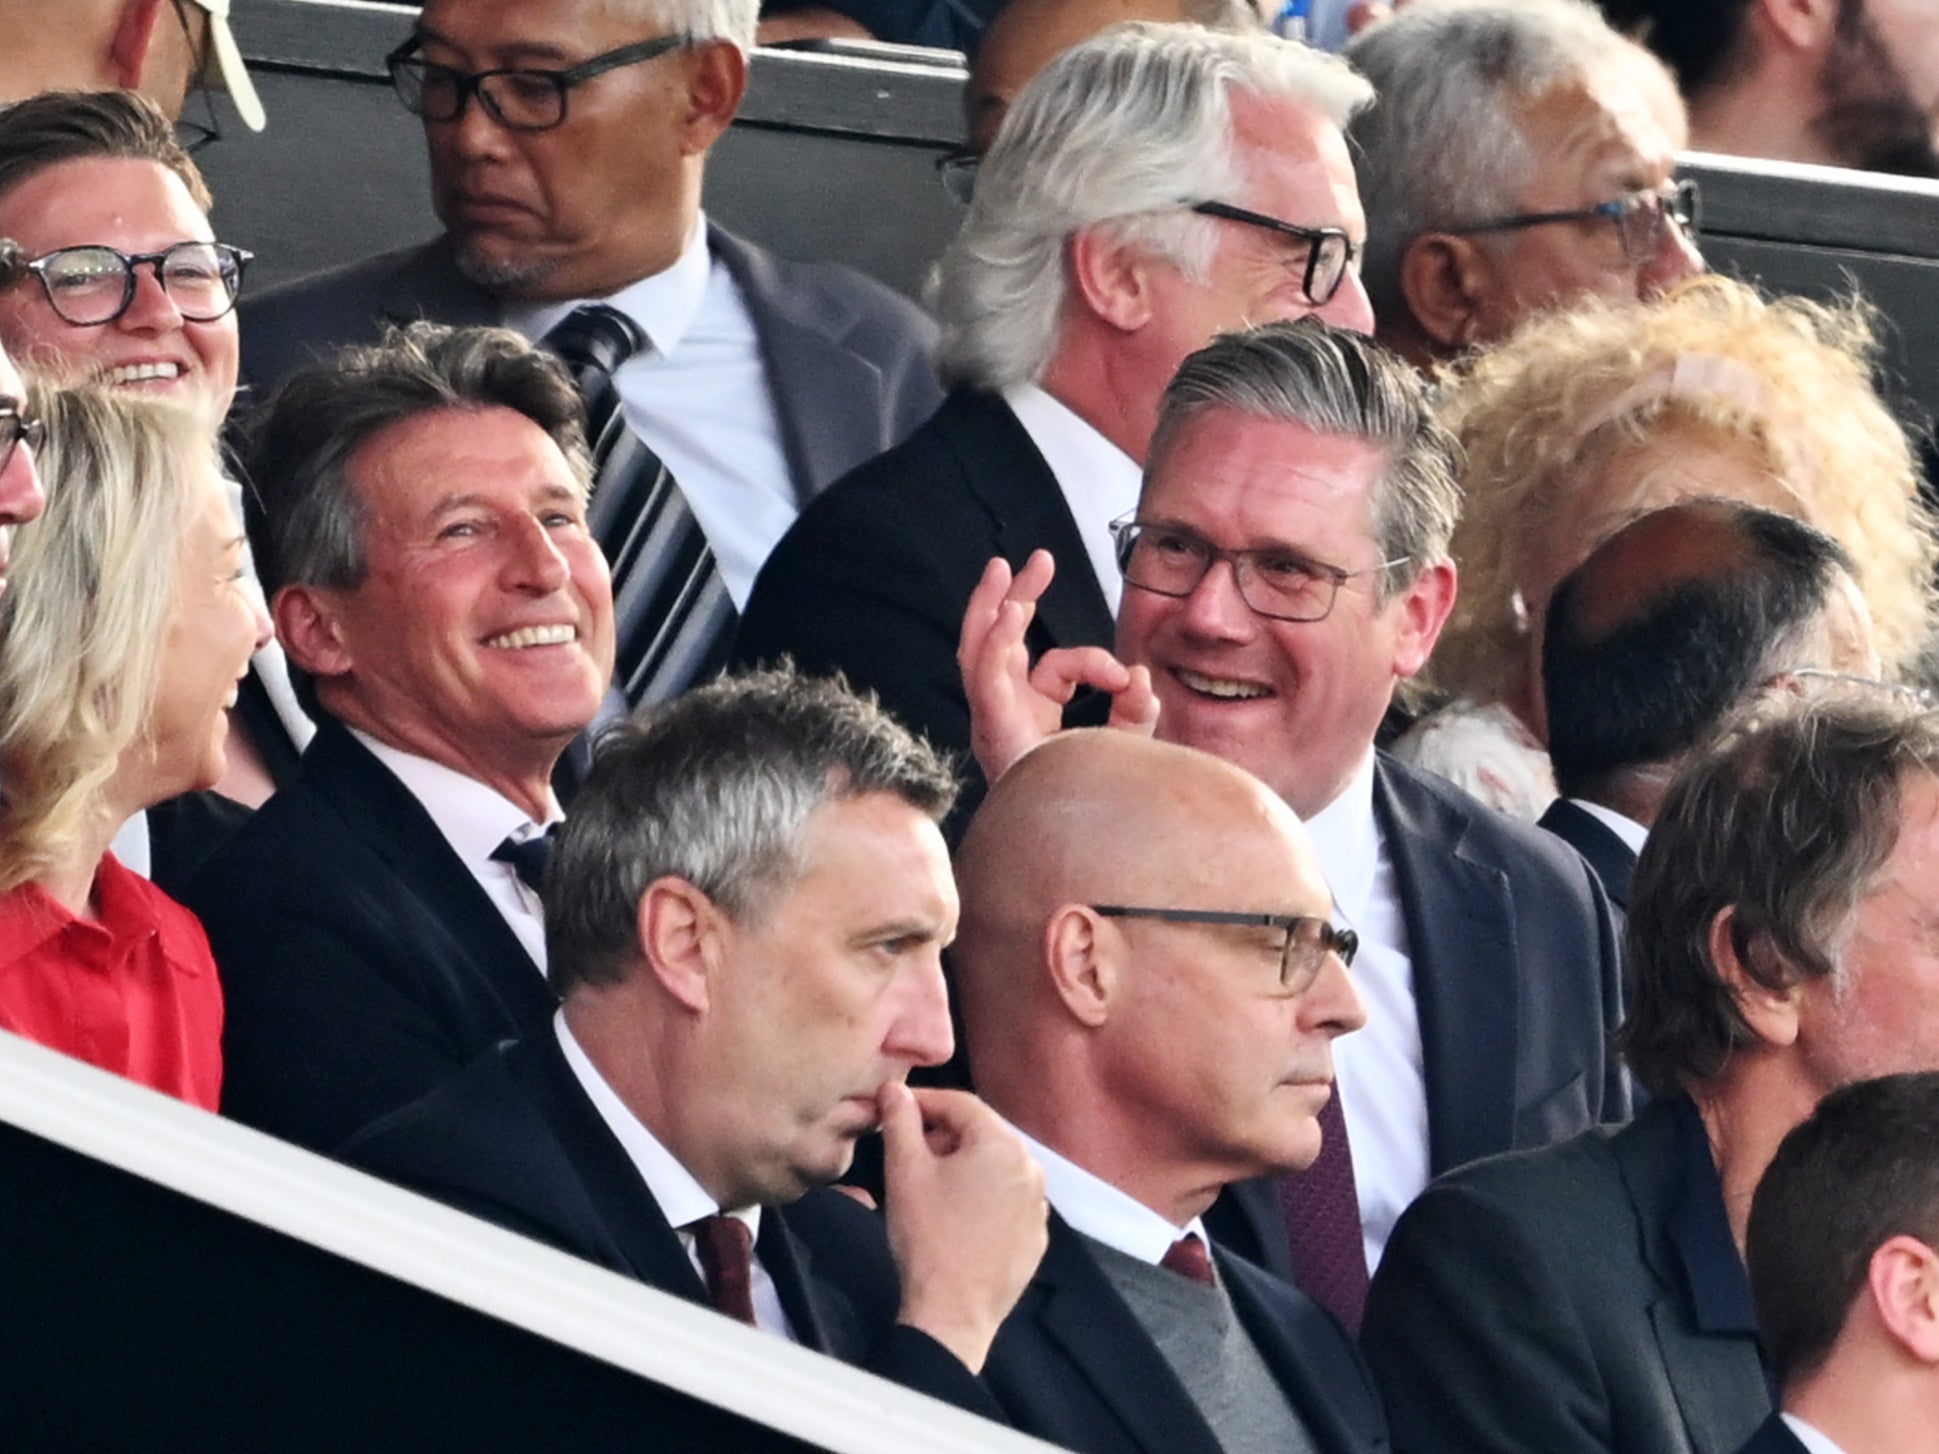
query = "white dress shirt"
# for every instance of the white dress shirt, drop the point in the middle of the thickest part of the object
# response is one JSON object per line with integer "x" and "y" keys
{"x": 681, "y": 1199}
{"x": 1102, "y": 1212}
{"x": 474, "y": 820}
{"x": 1377, "y": 1069}
{"x": 1099, "y": 480}
{"x": 700, "y": 399}
{"x": 1811, "y": 1438}
{"x": 1626, "y": 828}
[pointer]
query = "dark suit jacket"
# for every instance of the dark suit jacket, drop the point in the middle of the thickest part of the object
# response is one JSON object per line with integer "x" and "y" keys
{"x": 1613, "y": 860}
{"x": 873, "y": 578}
{"x": 847, "y": 359}
{"x": 1583, "y": 1299}
{"x": 514, "y": 1140}
{"x": 1774, "y": 1436}
{"x": 1073, "y": 1365}
{"x": 361, "y": 962}
{"x": 1517, "y": 982}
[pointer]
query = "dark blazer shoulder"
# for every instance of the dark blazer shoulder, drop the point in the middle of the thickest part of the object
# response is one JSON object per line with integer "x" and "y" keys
{"x": 1774, "y": 1436}
{"x": 1613, "y": 860}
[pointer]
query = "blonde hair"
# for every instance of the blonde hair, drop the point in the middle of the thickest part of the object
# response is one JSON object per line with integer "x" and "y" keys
{"x": 1544, "y": 416}
{"x": 86, "y": 608}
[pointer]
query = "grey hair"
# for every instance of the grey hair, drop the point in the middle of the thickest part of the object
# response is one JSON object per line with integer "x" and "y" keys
{"x": 1785, "y": 819}
{"x": 298, "y": 448}
{"x": 1124, "y": 130}
{"x": 715, "y": 788}
{"x": 702, "y": 19}
{"x": 1443, "y": 143}
{"x": 1333, "y": 381}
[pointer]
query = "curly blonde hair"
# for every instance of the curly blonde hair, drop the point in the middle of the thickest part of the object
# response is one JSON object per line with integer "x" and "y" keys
{"x": 87, "y": 605}
{"x": 1545, "y": 418}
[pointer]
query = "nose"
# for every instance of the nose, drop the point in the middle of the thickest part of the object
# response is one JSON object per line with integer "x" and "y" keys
{"x": 1676, "y": 258}
{"x": 920, "y": 1032}
{"x": 1215, "y": 610}
{"x": 260, "y": 620}
{"x": 151, "y": 310}
{"x": 534, "y": 562}
{"x": 1331, "y": 1005}
{"x": 21, "y": 497}
{"x": 1350, "y": 308}
{"x": 472, "y": 133}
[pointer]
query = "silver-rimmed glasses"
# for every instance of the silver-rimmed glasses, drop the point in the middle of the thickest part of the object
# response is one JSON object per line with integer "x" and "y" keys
{"x": 1640, "y": 218}
{"x": 1308, "y": 940}
{"x": 1275, "y": 582}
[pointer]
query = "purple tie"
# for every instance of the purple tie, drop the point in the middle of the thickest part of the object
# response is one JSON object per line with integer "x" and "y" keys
{"x": 1323, "y": 1222}
{"x": 1188, "y": 1258}
{"x": 726, "y": 1249}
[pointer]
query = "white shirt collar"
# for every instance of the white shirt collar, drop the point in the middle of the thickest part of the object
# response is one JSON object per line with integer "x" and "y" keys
{"x": 664, "y": 305}
{"x": 1099, "y": 481}
{"x": 473, "y": 818}
{"x": 1813, "y": 1439}
{"x": 1102, "y": 1212}
{"x": 1348, "y": 842}
{"x": 681, "y": 1199}
{"x": 1626, "y": 828}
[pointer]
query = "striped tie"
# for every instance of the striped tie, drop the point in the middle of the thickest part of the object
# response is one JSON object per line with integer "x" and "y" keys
{"x": 671, "y": 611}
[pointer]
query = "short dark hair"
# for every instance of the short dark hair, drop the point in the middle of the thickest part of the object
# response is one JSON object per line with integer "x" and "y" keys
{"x": 308, "y": 523}
{"x": 1699, "y": 40}
{"x": 1334, "y": 381}
{"x": 1786, "y": 819}
{"x": 1862, "y": 1170}
{"x": 1650, "y": 689}
{"x": 714, "y": 788}
{"x": 64, "y": 126}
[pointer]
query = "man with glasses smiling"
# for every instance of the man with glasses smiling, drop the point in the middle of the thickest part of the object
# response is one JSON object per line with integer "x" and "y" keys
{"x": 1520, "y": 158}
{"x": 1151, "y": 187}
{"x": 1285, "y": 568}
{"x": 1156, "y": 1021}
{"x": 568, "y": 141}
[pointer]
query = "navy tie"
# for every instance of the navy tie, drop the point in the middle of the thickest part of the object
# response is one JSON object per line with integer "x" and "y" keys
{"x": 527, "y": 856}
{"x": 671, "y": 611}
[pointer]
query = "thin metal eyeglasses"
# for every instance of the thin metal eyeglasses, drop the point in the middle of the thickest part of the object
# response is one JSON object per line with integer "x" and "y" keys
{"x": 1329, "y": 251}
{"x": 92, "y": 285}
{"x": 1640, "y": 218}
{"x": 16, "y": 428}
{"x": 956, "y": 170}
{"x": 1308, "y": 940}
{"x": 1823, "y": 677}
{"x": 516, "y": 98}
{"x": 1275, "y": 582}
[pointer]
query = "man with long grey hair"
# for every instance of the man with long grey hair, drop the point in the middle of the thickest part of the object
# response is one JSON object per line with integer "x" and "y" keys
{"x": 1520, "y": 155}
{"x": 1152, "y": 186}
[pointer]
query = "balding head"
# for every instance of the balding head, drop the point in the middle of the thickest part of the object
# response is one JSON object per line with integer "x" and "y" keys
{"x": 1670, "y": 624}
{"x": 1164, "y": 1056}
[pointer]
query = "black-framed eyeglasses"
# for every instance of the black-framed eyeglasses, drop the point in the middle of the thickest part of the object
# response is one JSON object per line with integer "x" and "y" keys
{"x": 956, "y": 170}
{"x": 1640, "y": 218}
{"x": 91, "y": 285}
{"x": 516, "y": 98}
{"x": 1329, "y": 251}
{"x": 1308, "y": 940}
{"x": 16, "y": 429}
{"x": 1274, "y": 581}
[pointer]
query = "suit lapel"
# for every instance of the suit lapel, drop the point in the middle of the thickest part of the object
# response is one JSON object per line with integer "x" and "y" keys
{"x": 616, "y": 1194}
{"x": 1461, "y": 943}
{"x": 1027, "y": 510}
{"x": 1290, "y": 1363}
{"x": 814, "y": 379}
{"x": 1084, "y": 1316}
{"x": 1612, "y": 859}
{"x": 382, "y": 812}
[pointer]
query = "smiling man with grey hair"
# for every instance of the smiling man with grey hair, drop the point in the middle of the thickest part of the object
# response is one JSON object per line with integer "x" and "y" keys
{"x": 1151, "y": 186}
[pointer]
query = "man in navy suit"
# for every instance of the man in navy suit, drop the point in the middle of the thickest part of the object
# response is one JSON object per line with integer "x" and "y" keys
{"x": 433, "y": 580}
{"x": 1286, "y": 567}
{"x": 1844, "y": 1263}
{"x": 568, "y": 142}
{"x": 745, "y": 918}
{"x": 1651, "y": 642}
{"x": 1153, "y": 185}
{"x": 1157, "y": 1021}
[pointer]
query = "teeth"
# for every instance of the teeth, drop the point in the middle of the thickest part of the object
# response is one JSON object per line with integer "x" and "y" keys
{"x": 1218, "y": 687}
{"x": 536, "y": 636}
{"x": 142, "y": 373}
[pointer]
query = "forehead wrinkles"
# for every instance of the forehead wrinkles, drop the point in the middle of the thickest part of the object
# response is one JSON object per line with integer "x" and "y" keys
{"x": 1597, "y": 131}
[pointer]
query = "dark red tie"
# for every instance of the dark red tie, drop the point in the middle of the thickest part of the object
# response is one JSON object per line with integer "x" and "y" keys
{"x": 1188, "y": 1258}
{"x": 726, "y": 1249}
{"x": 1323, "y": 1223}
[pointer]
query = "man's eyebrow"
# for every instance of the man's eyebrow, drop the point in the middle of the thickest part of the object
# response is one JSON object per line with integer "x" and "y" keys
{"x": 522, "y": 52}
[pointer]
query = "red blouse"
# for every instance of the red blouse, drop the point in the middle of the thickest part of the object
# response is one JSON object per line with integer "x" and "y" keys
{"x": 135, "y": 992}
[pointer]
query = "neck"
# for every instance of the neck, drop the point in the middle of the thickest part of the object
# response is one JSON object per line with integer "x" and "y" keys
{"x": 1746, "y": 1113}
{"x": 1086, "y": 1134}
{"x": 517, "y": 769}
{"x": 1769, "y": 117}
{"x": 1100, "y": 387}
